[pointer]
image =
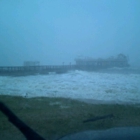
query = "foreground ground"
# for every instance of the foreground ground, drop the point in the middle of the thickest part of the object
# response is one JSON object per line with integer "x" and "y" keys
{"x": 55, "y": 117}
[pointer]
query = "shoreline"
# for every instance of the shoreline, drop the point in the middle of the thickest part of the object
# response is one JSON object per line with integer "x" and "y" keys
{"x": 88, "y": 101}
{"x": 92, "y": 101}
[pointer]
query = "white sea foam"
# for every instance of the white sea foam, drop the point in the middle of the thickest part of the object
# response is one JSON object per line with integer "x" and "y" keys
{"x": 77, "y": 85}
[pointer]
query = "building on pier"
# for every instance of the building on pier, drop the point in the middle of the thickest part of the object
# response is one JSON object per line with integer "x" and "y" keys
{"x": 31, "y": 63}
{"x": 90, "y": 63}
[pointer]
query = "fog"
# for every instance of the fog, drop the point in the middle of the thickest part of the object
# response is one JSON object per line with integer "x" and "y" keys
{"x": 56, "y": 32}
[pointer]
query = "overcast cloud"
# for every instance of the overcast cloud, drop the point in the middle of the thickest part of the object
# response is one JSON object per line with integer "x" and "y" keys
{"x": 57, "y": 31}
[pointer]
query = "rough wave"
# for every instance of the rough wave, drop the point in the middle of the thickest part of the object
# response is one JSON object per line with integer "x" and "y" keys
{"x": 103, "y": 86}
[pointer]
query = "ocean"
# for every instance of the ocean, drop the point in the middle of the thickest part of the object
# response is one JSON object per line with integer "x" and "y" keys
{"x": 114, "y": 85}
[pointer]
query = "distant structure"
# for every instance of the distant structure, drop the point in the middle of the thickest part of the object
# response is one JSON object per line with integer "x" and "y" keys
{"x": 31, "y": 63}
{"x": 91, "y": 64}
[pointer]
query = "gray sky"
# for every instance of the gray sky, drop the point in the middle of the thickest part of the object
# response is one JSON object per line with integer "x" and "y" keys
{"x": 56, "y": 31}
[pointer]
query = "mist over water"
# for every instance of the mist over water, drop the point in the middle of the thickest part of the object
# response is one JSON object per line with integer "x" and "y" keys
{"x": 56, "y": 32}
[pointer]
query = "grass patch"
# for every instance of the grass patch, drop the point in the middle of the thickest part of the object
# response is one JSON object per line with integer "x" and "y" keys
{"x": 55, "y": 117}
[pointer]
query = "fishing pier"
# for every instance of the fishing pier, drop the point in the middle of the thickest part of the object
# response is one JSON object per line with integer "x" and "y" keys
{"x": 87, "y": 64}
{"x": 31, "y": 70}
